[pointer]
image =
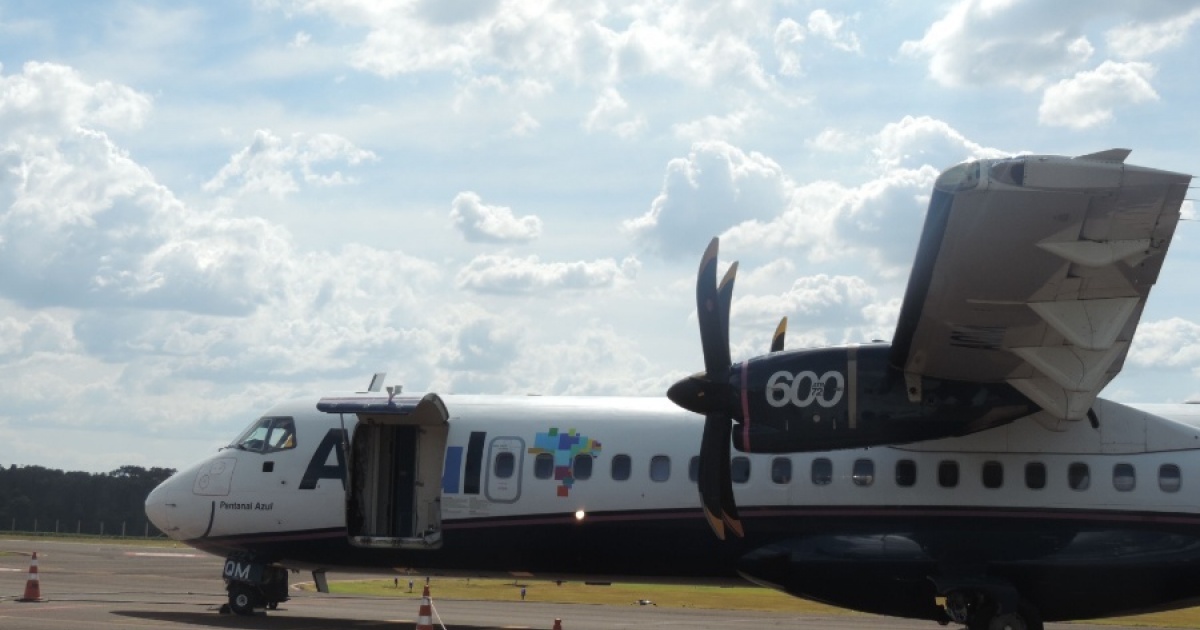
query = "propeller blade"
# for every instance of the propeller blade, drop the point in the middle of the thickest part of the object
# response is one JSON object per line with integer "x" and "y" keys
{"x": 724, "y": 303}
{"x": 780, "y": 332}
{"x": 728, "y": 506}
{"x": 716, "y": 434}
{"x": 710, "y": 393}
{"x": 713, "y": 327}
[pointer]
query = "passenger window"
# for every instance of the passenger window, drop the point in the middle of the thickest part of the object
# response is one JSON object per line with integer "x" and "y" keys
{"x": 993, "y": 474}
{"x": 822, "y": 472}
{"x": 739, "y": 469}
{"x": 660, "y": 468}
{"x": 906, "y": 473}
{"x": 583, "y": 466}
{"x": 948, "y": 473}
{"x": 694, "y": 468}
{"x": 621, "y": 467}
{"x": 1035, "y": 475}
{"x": 1078, "y": 476}
{"x": 781, "y": 470}
{"x": 1123, "y": 477}
{"x": 864, "y": 472}
{"x": 543, "y": 465}
{"x": 1169, "y": 479}
{"x": 505, "y": 463}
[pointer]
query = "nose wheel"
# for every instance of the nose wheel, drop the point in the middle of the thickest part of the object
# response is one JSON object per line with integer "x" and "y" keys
{"x": 245, "y": 599}
{"x": 991, "y": 609}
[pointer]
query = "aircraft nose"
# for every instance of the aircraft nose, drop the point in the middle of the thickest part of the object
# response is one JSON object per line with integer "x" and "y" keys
{"x": 159, "y": 504}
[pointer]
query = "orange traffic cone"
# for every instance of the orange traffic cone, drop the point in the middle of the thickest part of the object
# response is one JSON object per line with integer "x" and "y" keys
{"x": 557, "y": 624}
{"x": 425, "y": 617}
{"x": 33, "y": 586}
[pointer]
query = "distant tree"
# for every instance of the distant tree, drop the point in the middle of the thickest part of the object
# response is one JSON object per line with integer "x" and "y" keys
{"x": 30, "y": 493}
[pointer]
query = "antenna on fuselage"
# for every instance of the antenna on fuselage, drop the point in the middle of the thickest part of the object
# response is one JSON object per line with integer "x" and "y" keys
{"x": 377, "y": 382}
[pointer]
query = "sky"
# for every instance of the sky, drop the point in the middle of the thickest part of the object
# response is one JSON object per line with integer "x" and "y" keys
{"x": 209, "y": 207}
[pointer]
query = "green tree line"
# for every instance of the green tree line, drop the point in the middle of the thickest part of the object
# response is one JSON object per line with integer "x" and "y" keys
{"x": 77, "y": 501}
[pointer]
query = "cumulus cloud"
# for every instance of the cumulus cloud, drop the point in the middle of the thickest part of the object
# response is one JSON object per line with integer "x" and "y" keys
{"x": 1030, "y": 45}
{"x": 715, "y": 187}
{"x": 504, "y": 274}
{"x": 790, "y": 36}
{"x": 752, "y": 204}
{"x": 1009, "y": 43}
{"x": 1134, "y": 40}
{"x": 816, "y": 300}
{"x": 915, "y": 141}
{"x": 50, "y": 98}
{"x": 86, "y": 225}
{"x": 825, "y": 26}
{"x": 525, "y": 125}
{"x": 270, "y": 164}
{"x": 718, "y": 127}
{"x": 611, "y": 113}
{"x": 483, "y": 345}
{"x": 609, "y": 48}
{"x": 570, "y": 42}
{"x": 481, "y": 223}
{"x": 835, "y": 141}
{"x": 1089, "y": 98}
{"x": 1172, "y": 343}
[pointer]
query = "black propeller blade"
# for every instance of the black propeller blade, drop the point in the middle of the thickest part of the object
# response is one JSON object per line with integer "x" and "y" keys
{"x": 711, "y": 394}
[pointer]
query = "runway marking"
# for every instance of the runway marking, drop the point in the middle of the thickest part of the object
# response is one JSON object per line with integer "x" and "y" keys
{"x": 161, "y": 554}
{"x": 11, "y": 570}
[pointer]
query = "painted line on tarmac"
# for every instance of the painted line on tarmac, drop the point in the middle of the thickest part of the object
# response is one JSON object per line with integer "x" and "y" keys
{"x": 161, "y": 554}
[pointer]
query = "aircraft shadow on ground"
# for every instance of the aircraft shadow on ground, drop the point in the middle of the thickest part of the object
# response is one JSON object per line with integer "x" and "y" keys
{"x": 272, "y": 622}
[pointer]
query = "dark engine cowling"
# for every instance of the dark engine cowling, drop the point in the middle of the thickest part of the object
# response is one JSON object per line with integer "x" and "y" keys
{"x": 813, "y": 400}
{"x": 849, "y": 397}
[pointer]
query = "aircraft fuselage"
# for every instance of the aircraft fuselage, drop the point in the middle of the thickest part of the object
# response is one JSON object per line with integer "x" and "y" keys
{"x": 1087, "y": 521}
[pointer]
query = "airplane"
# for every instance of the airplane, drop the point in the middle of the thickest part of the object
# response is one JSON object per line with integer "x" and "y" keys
{"x": 965, "y": 472}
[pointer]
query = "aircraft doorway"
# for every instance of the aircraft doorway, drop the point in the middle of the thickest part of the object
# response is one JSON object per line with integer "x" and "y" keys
{"x": 395, "y": 464}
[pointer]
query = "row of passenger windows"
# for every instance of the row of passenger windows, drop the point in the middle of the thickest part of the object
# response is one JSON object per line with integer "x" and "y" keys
{"x": 1079, "y": 475}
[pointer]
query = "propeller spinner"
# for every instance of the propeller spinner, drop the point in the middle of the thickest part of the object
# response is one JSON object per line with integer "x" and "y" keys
{"x": 710, "y": 393}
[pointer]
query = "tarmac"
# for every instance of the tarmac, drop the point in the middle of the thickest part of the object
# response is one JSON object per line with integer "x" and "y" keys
{"x": 104, "y": 585}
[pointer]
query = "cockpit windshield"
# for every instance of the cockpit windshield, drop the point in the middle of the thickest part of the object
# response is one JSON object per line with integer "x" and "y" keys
{"x": 267, "y": 435}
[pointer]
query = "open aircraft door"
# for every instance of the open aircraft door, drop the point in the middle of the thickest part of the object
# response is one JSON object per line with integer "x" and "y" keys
{"x": 394, "y": 462}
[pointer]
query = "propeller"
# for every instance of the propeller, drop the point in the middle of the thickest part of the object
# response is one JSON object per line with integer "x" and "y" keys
{"x": 711, "y": 394}
{"x": 780, "y": 332}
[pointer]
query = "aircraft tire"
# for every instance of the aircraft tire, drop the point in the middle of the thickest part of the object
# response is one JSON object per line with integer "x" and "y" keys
{"x": 1026, "y": 618}
{"x": 243, "y": 599}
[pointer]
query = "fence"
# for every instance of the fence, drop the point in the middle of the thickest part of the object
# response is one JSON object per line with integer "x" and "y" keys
{"x": 124, "y": 529}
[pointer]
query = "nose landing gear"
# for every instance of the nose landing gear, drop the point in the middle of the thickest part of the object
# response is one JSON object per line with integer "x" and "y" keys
{"x": 253, "y": 588}
{"x": 988, "y": 605}
{"x": 245, "y": 599}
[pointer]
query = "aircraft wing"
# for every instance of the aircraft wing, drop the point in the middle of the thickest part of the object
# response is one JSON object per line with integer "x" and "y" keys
{"x": 1034, "y": 271}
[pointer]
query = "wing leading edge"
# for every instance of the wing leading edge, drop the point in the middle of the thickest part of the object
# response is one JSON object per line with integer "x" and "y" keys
{"x": 1034, "y": 271}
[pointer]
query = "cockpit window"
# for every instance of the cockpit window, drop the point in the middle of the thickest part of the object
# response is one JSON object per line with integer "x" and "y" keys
{"x": 267, "y": 435}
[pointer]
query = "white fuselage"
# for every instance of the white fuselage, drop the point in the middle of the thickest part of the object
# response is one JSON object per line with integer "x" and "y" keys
{"x": 230, "y": 495}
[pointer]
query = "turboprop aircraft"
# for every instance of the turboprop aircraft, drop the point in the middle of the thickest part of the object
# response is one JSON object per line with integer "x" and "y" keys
{"x": 965, "y": 472}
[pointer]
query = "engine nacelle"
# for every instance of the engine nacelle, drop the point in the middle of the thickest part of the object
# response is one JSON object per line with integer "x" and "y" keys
{"x": 849, "y": 397}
